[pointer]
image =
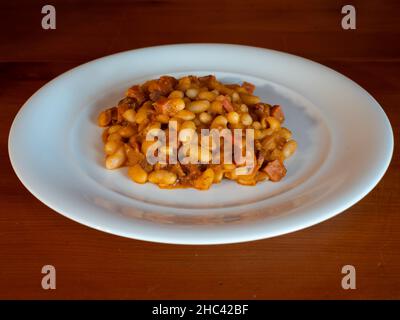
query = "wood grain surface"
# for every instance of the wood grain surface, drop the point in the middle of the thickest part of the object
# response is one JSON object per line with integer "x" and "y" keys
{"x": 94, "y": 265}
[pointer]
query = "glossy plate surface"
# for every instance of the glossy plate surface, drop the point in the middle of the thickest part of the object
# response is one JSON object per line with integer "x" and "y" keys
{"x": 345, "y": 144}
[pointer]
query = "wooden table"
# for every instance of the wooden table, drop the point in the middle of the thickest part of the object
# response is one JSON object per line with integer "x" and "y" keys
{"x": 305, "y": 264}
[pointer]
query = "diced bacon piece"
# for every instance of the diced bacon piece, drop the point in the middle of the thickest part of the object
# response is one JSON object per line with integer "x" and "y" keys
{"x": 259, "y": 107}
{"x": 260, "y": 160}
{"x": 277, "y": 113}
{"x": 160, "y": 87}
{"x": 164, "y": 85}
{"x": 275, "y": 170}
{"x": 155, "y": 95}
{"x": 227, "y": 105}
{"x": 114, "y": 115}
{"x": 259, "y": 110}
{"x": 208, "y": 81}
{"x": 167, "y": 84}
{"x": 136, "y": 92}
{"x": 233, "y": 86}
{"x": 162, "y": 105}
{"x": 249, "y": 87}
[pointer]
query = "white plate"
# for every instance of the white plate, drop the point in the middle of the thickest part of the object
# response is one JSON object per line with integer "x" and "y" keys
{"x": 345, "y": 144}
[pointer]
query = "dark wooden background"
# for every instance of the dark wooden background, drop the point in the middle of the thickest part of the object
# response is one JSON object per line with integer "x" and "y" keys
{"x": 305, "y": 264}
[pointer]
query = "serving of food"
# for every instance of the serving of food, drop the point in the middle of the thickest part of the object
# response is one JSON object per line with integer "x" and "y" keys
{"x": 190, "y": 107}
